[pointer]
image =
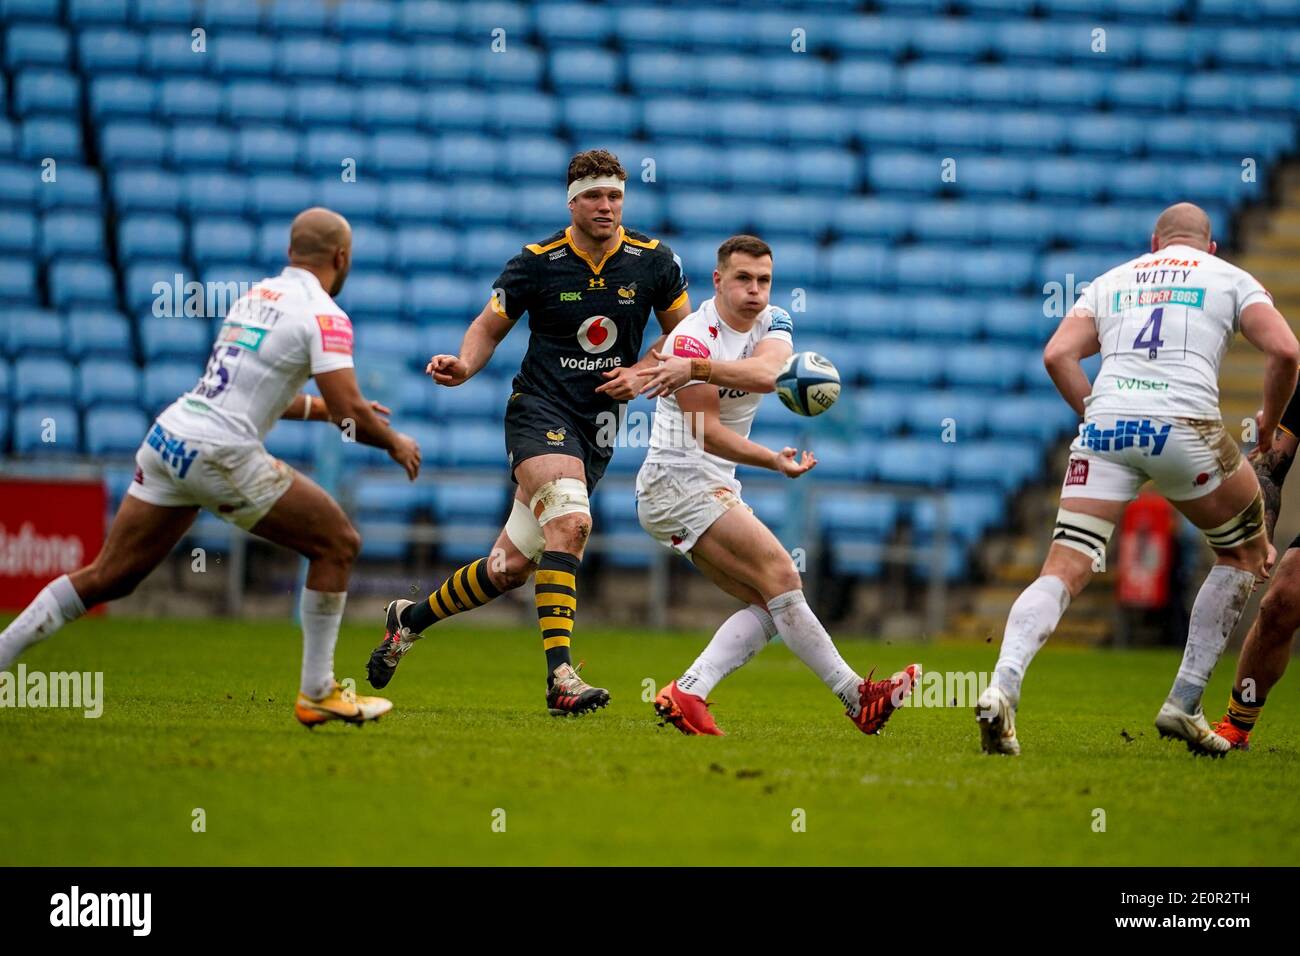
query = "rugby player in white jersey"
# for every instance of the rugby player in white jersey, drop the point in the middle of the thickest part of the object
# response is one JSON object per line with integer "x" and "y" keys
{"x": 1162, "y": 322}
{"x": 688, "y": 497}
{"x": 205, "y": 451}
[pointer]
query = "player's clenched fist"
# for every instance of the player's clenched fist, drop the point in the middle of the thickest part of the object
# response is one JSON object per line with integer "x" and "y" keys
{"x": 447, "y": 369}
{"x": 406, "y": 452}
{"x": 790, "y": 464}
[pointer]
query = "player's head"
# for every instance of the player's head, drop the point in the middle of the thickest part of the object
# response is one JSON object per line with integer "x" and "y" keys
{"x": 320, "y": 241}
{"x": 1183, "y": 224}
{"x": 596, "y": 180}
{"x": 743, "y": 277}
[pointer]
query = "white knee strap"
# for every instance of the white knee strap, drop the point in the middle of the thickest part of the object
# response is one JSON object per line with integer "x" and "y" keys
{"x": 1240, "y": 528}
{"x": 1084, "y": 533}
{"x": 563, "y": 496}
{"x": 524, "y": 532}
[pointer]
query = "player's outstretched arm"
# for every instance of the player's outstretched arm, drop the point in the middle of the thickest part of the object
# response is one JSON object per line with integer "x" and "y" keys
{"x": 1266, "y": 329}
{"x": 348, "y": 408}
{"x": 310, "y": 408}
{"x": 701, "y": 411}
{"x": 481, "y": 340}
{"x": 754, "y": 374}
{"x": 623, "y": 384}
{"x": 1074, "y": 340}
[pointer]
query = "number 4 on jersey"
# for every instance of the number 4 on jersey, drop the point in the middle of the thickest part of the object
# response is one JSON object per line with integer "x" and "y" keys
{"x": 1149, "y": 338}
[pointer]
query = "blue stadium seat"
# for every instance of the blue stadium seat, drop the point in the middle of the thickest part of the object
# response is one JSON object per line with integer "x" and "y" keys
{"x": 436, "y": 296}
{"x": 114, "y": 97}
{"x": 107, "y": 382}
{"x": 17, "y": 280}
{"x": 242, "y": 55}
{"x": 413, "y": 200}
{"x": 890, "y": 362}
{"x": 99, "y": 334}
{"x": 132, "y": 142}
{"x": 309, "y": 58}
{"x": 31, "y": 332}
{"x": 1032, "y": 415}
{"x": 138, "y": 190}
{"x": 71, "y": 234}
{"x": 478, "y": 399}
{"x": 39, "y": 92}
{"x": 174, "y": 337}
{"x": 267, "y": 148}
{"x": 1105, "y": 133}
{"x": 388, "y": 106}
{"x": 372, "y": 294}
{"x": 428, "y": 18}
{"x": 46, "y": 428}
{"x": 376, "y": 60}
{"x": 81, "y": 282}
{"x": 515, "y": 112}
{"x": 200, "y": 146}
{"x": 18, "y": 231}
{"x": 255, "y": 101}
{"x": 1016, "y": 319}
{"x": 58, "y": 138}
{"x": 994, "y": 367}
{"x": 436, "y": 64}
{"x": 214, "y": 194}
{"x": 942, "y": 317}
{"x": 425, "y": 247}
{"x": 995, "y": 463}
{"x": 854, "y": 264}
{"x": 299, "y": 16}
{"x": 190, "y": 98}
{"x": 43, "y": 379}
{"x": 109, "y": 51}
{"x": 164, "y": 12}
{"x": 951, "y": 416}
{"x": 326, "y": 150}
{"x": 360, "y": 200}
{"x": 573, "y": 23}
{"x": 1215, "y": 92}
{"x": 916, "y": 461}
{"x": 408, "y": 154}
{"x": 36, "y": 45}
{"x": 236, "y": 14}
{"x": 163, "y": 381}
{"x": 968, "y": 514}
{"x": 150, "y": 237}
{"x": 293, "y": 444}
{"x": 214, "y": 240}
{"x": 281, "y": 195}
{"x": 170, "y": 52}
{"x": 893, "y": 173}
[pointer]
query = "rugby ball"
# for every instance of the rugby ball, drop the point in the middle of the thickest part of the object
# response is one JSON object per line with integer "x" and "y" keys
{"x": 808, "y": 384}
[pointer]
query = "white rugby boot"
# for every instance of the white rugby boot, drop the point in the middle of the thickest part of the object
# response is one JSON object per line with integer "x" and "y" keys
{"x": 997, "y": 719}
{"x": 1194, "y": 729}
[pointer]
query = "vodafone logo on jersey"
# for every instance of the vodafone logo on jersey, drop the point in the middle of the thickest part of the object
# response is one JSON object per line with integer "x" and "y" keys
{"x": 598, "y": 334}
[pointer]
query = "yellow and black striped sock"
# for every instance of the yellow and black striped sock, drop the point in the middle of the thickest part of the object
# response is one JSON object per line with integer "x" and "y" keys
{"x": 557, "y": 603}
{"x": 1241, "y": 714}
{"x": 469, "y": 587}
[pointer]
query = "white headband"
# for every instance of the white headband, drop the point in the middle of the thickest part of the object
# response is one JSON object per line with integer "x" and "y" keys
{"x": 579, "y": 186}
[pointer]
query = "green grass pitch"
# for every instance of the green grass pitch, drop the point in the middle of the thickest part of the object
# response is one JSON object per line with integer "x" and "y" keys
{"x": 197, "y": 715}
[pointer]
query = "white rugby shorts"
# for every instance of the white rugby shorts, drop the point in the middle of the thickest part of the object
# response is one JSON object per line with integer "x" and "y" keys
{"x": 1114, "y": 455}
{"x": 238, "y": 483}
{"x": 677, "y": 502}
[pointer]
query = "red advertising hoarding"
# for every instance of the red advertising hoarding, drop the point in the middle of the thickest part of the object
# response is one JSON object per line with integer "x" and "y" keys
{"x": 47, "y": 528}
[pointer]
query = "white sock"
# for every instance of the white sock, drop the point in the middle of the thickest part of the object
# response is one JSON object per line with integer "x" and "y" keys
{"x": 1215, "y": 613}
{"x": 740, "y": 637}
{"x": 1031, "y": 622}
{"x": 56, "y": 605}
{"x": 806, "y": 637}
{"x": 321, "y": 613}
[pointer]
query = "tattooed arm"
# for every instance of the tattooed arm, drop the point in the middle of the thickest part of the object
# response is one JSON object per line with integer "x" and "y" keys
{"x": 1271, "y": 467}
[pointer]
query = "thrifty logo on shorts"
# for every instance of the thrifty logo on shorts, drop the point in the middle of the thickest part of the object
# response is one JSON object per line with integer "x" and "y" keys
{"x": 1126, "y": 434}
{"x": 1168, "y": 295}
{"x": 171, "y": 450}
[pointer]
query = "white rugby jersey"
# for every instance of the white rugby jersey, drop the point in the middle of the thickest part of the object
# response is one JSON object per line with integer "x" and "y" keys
{"x": 703, "y": 334}
{"x": 283, "y": 331}
{"x": 1164, "y": 321}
